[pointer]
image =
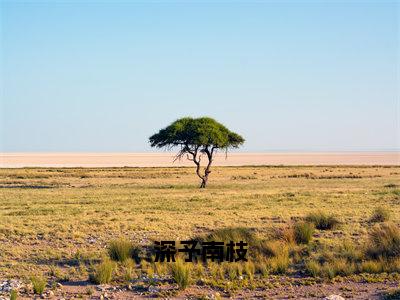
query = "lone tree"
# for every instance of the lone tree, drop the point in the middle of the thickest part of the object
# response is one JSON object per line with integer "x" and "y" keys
{"x": 197, "y": 137}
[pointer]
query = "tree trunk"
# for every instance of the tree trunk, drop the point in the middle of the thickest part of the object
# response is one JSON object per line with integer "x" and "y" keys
{"x": 204, "y": 182}
{"x": 207, "y": 171}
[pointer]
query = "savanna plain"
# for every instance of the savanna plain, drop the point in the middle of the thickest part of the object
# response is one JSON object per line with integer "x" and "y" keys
{"x": 312, "y": 231}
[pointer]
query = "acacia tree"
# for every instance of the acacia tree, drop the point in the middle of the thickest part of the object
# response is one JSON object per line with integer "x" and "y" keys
{"x": 197, "y": 138}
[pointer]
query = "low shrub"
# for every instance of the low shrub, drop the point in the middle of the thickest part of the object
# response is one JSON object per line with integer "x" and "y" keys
{"x": 230, "y": 270}
{"x": 349, "y": 251}
{"x": 121, "y": 250}
{"x": 370, "y": 266}
{"x": 198, "y": 270}
{"x": 103, "y": 273}
{"x": 322, "y": 221}
{"x": 303, "y": 232}
{"x": 38, "y": 284}
{"x": 342, "y": 267}
{"x": 129, "y": 272}
{"x": 331, "y": 268}
{"x": 272, "y": 248}
{"x": 393, "y": 265}
{"x": 249, "y": 269}
{"x": 384, "y": 241}
{"x": 262, "y": 267}
{"x": 279, "y": 264}
{"x": 13, "y": 295}
{"x": 181, "y": 274}
{"x": 335, "y": 267}
{"x": 380, "y": 214}
{"x": 288, "y": 235}
{"x": 160, "y": 268}
{"x": 313, "y": 268}
{"x": 216, "y": 270}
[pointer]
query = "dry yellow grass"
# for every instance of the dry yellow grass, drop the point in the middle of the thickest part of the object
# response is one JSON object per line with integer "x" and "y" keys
{"x": 54, "y": 218}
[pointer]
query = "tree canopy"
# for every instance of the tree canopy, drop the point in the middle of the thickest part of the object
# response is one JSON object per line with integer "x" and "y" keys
{"x": 201, "y": 132}
{"x": 197, "y": 136}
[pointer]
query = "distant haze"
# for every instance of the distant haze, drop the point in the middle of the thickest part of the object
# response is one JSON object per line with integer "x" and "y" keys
{"x": 165, "y": 159}
{"x": 291, "y": 76}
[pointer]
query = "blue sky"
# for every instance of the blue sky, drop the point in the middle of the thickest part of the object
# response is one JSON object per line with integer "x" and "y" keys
{"x": 292, "y": 76}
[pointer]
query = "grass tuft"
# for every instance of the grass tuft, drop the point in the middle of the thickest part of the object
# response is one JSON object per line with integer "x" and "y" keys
{"x": 380, "y": 214}
{"x": 322, "y": 221}
{"x": 181, "y": 274}
{"x": 303, "y": 232}
{"x": 121, "y": 250}
{"x": 103, "y": 273}
{"x": 371, "y": 266}
{"x": 384, "y": 241}
{"x": 313, "y": 268}
{"x": 38, "y": 284}
{"x": 279, "y": 264}
{"x": 13, "y": 295}
{"x": 249, "y": 269}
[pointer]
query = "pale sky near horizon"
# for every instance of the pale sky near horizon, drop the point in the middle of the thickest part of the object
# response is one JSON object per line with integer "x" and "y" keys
{"x": 289, "y": 76}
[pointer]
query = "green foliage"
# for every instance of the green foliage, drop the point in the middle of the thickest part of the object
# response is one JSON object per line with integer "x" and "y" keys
{"x": 279, "y": 264}
{"x": 129, "y": 272}
{"x": 38, "y": 284}
{"x": 330, "y": 269}
{"x": 349, "y": 251}
{"x": 201, "y": 132}
{"x": 313, "y": 268}
{"x": 262, "y": 267}
{"x": 103, "y": 273}
{"x": 371, "y": 266}
{"x": 121, "y": 250}
{"x": 13, "y": 295}
{"x": 271, "y": 248}
{"x": 232, "y": 270}
{"x": 249, "y": 269}
{"x": 380, "y": 214}
{"x": 384, "y": 241}
{"x": 322, "y": 221}
{"x": 303, "y": 232}
{"x": 181, "y": 274}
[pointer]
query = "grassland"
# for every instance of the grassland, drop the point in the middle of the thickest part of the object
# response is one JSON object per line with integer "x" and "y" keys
{"x": 57, "y": 223}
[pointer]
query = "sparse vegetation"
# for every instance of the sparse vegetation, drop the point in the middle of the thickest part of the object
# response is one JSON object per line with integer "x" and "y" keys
{"x": 120, "y": 250}
{"x": 380, "y": 214}
{"x": 272, "y": 209}
{"x": 236, "y": 234}
{"x": 13, "y": 295}
{"x": 103, "y": 272}
{"x": 129, "y": 272}
{"x": 303, "y": 232}
{"x": 322, "y": 221}
{"x": 371, "y": 266}
{"x": 279, "y": 263}
{"x": 38, "y": 284}
{"x": 384, "y": 241}
{"x": 313, "y": 268}
{"x": 181, "y": 274}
